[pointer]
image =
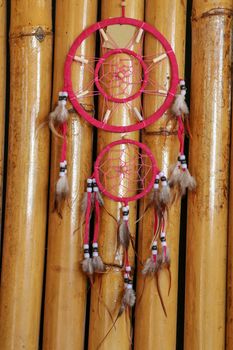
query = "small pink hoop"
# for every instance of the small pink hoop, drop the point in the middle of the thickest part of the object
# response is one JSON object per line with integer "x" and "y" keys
{"x": 154, "y": 169}
{"x": 130, "y": 53}
{"x": 170, "y": 94}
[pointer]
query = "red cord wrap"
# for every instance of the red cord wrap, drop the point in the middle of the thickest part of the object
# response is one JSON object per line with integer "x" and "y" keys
{"x": 64, "y": 128}
{"x": 87, "y": 218}
{"x": 97, "y": 219}
{"x": 181, "y": 134}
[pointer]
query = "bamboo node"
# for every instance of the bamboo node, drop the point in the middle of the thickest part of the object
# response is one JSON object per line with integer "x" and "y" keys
{"x": 40, "y": 34}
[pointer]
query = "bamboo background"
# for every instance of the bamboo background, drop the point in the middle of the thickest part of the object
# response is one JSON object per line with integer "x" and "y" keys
{"x": 45, "y": 301}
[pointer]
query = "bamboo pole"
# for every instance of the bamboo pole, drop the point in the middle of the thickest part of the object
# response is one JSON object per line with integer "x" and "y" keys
{"x": 229, "y": 325}
{"x": 27, "y": 174}
{"x": 65, "y": 302}
{"x": 229, "y": 329}
{"x": 107, "y": 290}
{"x": 209, "y": 160}
{"x": 152, "y": 328}
{"x": 2, "y": 93}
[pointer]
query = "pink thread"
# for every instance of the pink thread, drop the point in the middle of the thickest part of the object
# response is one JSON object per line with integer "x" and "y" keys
{"x": 97, "y": 219}
{"x": 117, "y": 168}
{"x": 121, "y": 70}
{"x": 87, "y": 218}
{"x": 168, "y": 97}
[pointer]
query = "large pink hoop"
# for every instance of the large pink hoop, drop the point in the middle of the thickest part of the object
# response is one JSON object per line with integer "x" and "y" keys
{"x": 169, "y": 52}
{"x": 130, "y": 53}
{"x": 154, "y": 169}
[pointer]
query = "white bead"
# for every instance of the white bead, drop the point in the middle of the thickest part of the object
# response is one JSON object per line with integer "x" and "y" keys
{"x": 156, "y": 186}
{"x": 95, "y": 245}
{"x": 129, "y": 286}
{"x": 95, "y": 254}
{"x": 86, "y": 255}
{"x": 124, "y": 209}
{"x": 184, "y": 166}
{"x": 182, "y": 157}
{"x": 89, "y": 181}
{"x": 86, "y": 246}
{"x": 163, "y": 234}
{"x": 154, "y": 252}
{"x": 164, "y": 183}
{"x": 157, "y": 177}
{"x": 164, "y": 244}
{"x": 182, "y": 82}
{"x": 128, "y": 268}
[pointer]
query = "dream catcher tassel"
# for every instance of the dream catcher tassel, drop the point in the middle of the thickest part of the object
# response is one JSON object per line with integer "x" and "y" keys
{"x": 152, "y": 264}
{"x": 164, "y": 195}
{"x": 180, "y": 175}
{"x": 123, "y": 229}
{"x": 97, "y": 262}
{"x": 60, "y": 114}
{"x": 179, "y": 106}
{"x": 62, "y": 185}
{"x": 165, "y": 256}
{"x": 187, "y": 181}
{"x": 87, "y": 264}
{"x": 129, "y": 296}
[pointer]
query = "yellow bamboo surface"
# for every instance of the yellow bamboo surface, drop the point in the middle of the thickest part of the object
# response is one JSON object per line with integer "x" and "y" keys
{"x": 209, "y": 162}
{"x": 229, "y": 329}
{"x": 2, "y": 91}
{"x": 65, "y": 302}
{"x": 27, "y": 174}
{"x": 107, "y": 290}
{"x": 152, "y": 328}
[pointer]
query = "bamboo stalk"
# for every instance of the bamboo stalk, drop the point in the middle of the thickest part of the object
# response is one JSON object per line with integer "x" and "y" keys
{"x": 229, "y": 325}
{"x": 229, "y": 329}
{"x": 152, "y": 328}
{"x": 107, "y": 290}
{"x": 65, "y": 302}
{"x": 2, "y": 93}
{"x": 27, "y": 174}
{"x": 209, "y": 160}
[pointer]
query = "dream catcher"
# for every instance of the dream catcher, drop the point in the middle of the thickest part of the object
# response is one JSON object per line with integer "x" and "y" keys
{"x": 125, "y": 170}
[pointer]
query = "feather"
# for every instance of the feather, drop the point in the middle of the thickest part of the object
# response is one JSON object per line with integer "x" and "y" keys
{"x": 62, "y": 192}
{"x": 60, "y": 113}
{"x": 164, "y": 195}
{"x": 87, "y": 266}
{"x": 100, "y": 198}
{"x": 175, "y": 175}
{"x": 179, "y": 106}
{"x": 128, "y": 300}
{"x": 123, "y": 234}
{"x": 187, "y": 181}
{"x": 98, "y": 264}
{"x": 150, "y": 266}
{"x": 84, "y": 202}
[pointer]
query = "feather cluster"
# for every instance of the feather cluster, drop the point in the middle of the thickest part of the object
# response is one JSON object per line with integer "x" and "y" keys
{"x": 179, "y": 106}
{"x": 62, "y": 192}
{"x": 128, "y": 299}
{"x": 60, "y": 113}
{"x": 181, "y": 177}
{"x": 151, "y": 266}
{"x": 98, "y": 264}
{"x": 123, "y": 234}
{"x": 87, "y": 266}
